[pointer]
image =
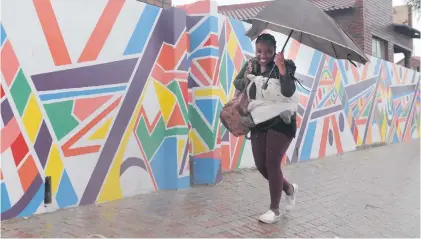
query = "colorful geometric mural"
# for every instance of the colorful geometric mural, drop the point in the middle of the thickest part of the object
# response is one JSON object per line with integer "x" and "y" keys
{"x": 118, "y": 102}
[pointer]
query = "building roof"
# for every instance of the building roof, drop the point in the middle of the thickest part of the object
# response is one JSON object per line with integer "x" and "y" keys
{"x": 415, "y": 62}
{"x": 247, "y": 11}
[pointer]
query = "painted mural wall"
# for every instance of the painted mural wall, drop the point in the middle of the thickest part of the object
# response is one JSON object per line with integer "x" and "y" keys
{"x": 125, "y": 98}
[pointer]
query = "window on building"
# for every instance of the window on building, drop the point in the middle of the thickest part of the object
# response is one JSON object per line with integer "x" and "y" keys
{"x": 378, "y": 48}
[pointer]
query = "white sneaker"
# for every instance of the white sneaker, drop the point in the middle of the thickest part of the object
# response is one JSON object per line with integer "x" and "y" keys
{"x": 269, "y": 217}
{"x": 291, "y": 199}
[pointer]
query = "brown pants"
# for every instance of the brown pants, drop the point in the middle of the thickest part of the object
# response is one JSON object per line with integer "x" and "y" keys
{"x": 268, "y": 149}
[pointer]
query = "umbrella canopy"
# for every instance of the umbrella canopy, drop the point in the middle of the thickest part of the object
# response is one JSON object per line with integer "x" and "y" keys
{"x": 305, "y": 22}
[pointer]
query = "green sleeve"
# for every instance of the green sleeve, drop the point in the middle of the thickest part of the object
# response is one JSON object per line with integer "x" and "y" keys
{"x": 287, "y": 85}
{"x": 239, "y": 79}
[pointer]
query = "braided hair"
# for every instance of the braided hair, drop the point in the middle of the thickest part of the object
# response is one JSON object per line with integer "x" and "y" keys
{"x": 267, "y": 38}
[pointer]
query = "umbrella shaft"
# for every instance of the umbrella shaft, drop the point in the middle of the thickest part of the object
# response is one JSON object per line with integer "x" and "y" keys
{"x": 286, "y": 42}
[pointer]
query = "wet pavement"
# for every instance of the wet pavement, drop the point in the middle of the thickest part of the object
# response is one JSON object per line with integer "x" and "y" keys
{"x": 367, "y": 193}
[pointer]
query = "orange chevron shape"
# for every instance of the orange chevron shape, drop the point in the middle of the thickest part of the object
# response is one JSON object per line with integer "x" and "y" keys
{"x": 164, "y": 77}
{"x": 149, "y": 126}
{"x": 69, "y": 152}
{"x": 194, "y": 70}
{"x": 170, "y": 55}
{"x": 212, "y": 40}
{"x": 208, "y": 65}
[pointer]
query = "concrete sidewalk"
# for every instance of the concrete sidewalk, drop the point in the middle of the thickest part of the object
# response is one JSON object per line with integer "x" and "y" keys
{"x": 368, "y": 193}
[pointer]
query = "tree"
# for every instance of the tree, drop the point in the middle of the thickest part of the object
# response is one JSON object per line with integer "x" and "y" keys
{"x": 415, "y": 5}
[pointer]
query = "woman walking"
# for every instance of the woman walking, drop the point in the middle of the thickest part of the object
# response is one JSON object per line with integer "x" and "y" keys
{"x": 271, "y": 139}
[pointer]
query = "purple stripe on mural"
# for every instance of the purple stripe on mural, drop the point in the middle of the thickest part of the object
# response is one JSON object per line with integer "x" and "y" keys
{"x": 402, "y": 90}
{"x": 43, "y": 144}
{"x": 24, "y": 200}
{"x": 97, "y": 75}
{"x": 192, "y": 21}
{"x": 183, "y": 162}
{"x": 160, "y": 35}
{"x": 344, "y": 100}
{"x": 307, "y": 111}
{"x": 191, "y": 83}
{"x": 226, "y": 136}
{"x": 184, "y": 65}
{"x": 300, "y": 110}
{"x": 414, "y": 99}
{"x": 355, "y": 89}
{"x": 370, "y": 115}
{"x": 221, "y": 42}
{"x": 132, "y": 162}
{"x": 307, "y": 81}
{"x": 6, "y": 111}
{"x": 326, "y": 111}
{"x": 218, "y": 177}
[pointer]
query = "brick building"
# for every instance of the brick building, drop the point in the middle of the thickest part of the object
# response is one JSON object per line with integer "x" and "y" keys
{"x": 158, "y": 3}
{"x": 415, "y": 63}
{"x": 380, "y": 29}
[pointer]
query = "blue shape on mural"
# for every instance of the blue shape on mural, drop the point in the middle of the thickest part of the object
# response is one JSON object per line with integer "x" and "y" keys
{"x": 200, "y": 34}
{"x": 395, "y": 139}
{"x": 5, "y": 201}
{"x": 308, "y": 141}
{"x": 331, "y": 64}
{"x": 70, "y": 94}
{"x": 378, "y": 64}
{"x": 205, "y": 170}
{"x": 66, "y": 195}
{"x": 2, "y": 35}
{"x": 230, "y": 70}
{"x": 164, "y": 165}
{"x": 343, "y": 72}
{"x": 207, "y": 107}
{"x": 204, "y": 52}
{"x": 388, "y": 80}
{"x": 34, "y": 204}
{"x": 239, "y": 29}
{"x": 184, "y": 182}
{"x": 143, "y": 28}
{"x": 315, "y": 62}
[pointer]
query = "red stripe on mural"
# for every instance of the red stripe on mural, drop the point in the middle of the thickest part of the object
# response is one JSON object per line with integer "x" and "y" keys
{"x": 199, "y": 7}
{"x": 323, "y": 140}
{"x": 102, "y": 31}
{"x": 52, "y": 32}
{"x": 337, "y": 137}
{"x": 9, "y": 63}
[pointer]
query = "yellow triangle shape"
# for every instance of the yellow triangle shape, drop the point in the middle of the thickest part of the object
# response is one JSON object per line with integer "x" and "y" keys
{"x": 166, "y": 100}
{"x": 180, "y": 149}
{"x": 197, "y": 144}
{"x": 102, "y": 131}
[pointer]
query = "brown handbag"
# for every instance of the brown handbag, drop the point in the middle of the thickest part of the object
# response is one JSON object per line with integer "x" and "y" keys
{"x": 231, "y": 113}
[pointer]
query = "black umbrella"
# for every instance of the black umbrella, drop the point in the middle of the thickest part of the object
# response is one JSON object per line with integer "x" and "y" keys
{"x": 308, "y": 24}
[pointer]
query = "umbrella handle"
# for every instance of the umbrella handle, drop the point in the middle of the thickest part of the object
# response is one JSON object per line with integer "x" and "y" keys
{"x": 265, "y": 85}
{"x": 286, "y": 42}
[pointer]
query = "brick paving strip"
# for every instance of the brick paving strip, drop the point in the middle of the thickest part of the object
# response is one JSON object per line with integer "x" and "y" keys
{"x": 368, "y": 193}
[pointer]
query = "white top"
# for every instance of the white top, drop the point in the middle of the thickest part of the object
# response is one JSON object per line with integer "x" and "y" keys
{"x": 269, "y": 103}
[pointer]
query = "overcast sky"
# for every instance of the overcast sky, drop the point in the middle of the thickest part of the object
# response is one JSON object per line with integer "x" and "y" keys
{"x": 416, "y": 20}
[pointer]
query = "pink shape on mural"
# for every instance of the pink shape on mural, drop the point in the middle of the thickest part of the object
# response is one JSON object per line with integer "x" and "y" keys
{"x": 85, "y": 107}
